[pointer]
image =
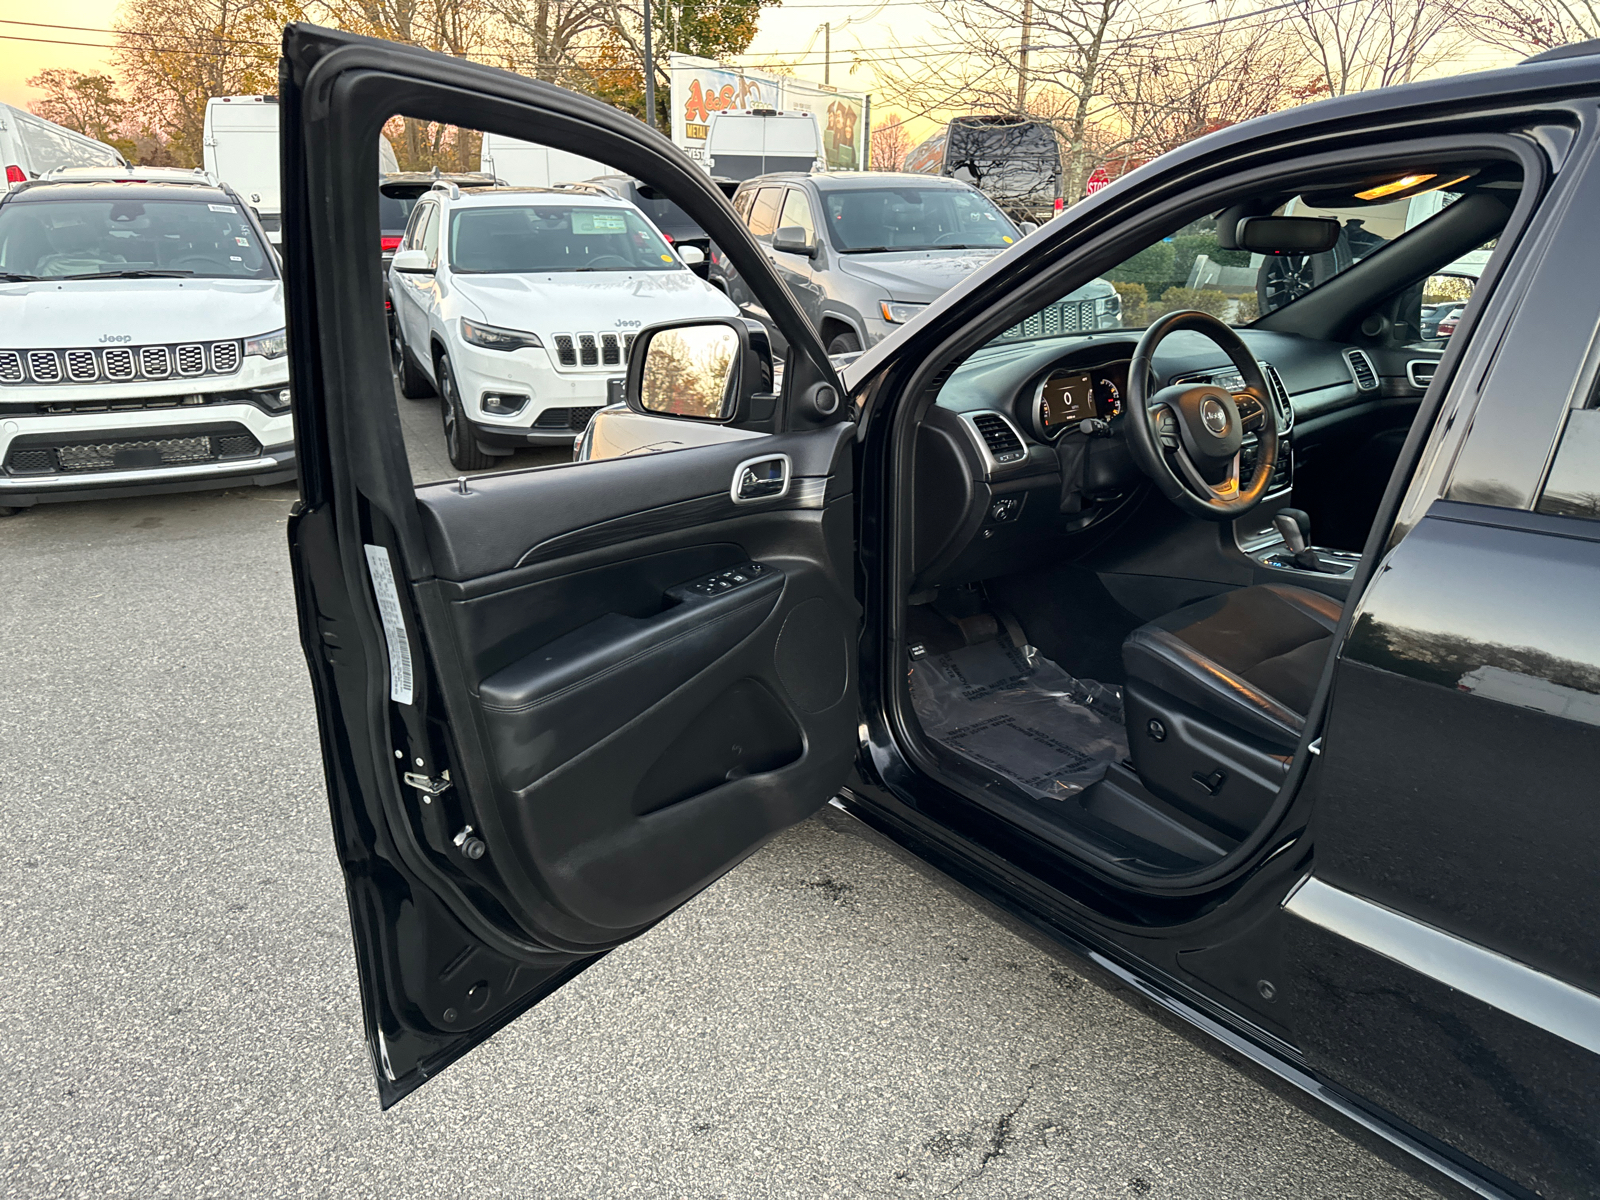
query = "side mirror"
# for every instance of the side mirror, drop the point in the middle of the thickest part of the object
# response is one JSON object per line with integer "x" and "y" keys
{"x": 1028, "y": 227}
{"x": 791, "y": 239}
{"x": 413, "y": 262}
{"x": 692, "y": 256}
{"x": 1286, "y": 235}
{"x": 704, "y": 370}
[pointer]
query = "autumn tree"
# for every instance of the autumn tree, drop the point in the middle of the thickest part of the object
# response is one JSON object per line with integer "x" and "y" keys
{"x": 890, "y": 141}
{"x": 1376, "y": 43}
{"x": 88, "y": 104}
{"x": 1531, "y": 26}
{"x": 707, "y": 28}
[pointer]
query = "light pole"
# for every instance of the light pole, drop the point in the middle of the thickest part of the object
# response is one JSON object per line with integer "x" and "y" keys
{"x": 649, "y": 71}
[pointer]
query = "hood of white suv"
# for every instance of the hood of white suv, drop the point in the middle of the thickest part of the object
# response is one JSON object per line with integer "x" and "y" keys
{"x": 66, "y": 313}
{"x": 560, "y": 301}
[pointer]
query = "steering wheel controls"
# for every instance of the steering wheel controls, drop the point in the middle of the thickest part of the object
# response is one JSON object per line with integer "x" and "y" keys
{"x": 1167, "y": 429}
{"x": 726, "y": 581}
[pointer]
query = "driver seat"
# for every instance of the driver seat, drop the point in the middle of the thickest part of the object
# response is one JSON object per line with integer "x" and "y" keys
{"x": 1217, "y": 695}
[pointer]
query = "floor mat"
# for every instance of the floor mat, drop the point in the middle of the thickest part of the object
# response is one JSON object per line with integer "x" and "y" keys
{"x": 1017, "y": 713}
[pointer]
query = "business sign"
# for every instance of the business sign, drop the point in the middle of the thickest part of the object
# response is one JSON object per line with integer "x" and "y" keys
{"x": 702, "y": 86}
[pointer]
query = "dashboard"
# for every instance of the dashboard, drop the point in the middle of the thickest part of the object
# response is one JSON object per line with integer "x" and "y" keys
{"x": 1024, "y": 450}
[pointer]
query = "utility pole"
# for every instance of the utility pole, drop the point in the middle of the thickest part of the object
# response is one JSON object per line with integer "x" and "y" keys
{"x": 650, "y": 71}
{"x": 1022, "y": 58}
{"x": 827, "y": 52}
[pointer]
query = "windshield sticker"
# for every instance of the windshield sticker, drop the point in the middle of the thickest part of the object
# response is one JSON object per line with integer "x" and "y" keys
{"x": 227, "y": 208}
{"x": 591, "y": 221}
{"x": 666, "y": 258}
{"x": 234, "y": 258}
{"x": 394, "y": 626}
{"x": 239, "y": 241}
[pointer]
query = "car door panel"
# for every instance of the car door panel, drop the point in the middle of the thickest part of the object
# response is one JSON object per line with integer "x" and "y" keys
{"x": 542, "y": 728}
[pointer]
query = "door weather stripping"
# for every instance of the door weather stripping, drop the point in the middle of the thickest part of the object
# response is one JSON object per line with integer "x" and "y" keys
{"x": 1500, "y": 982}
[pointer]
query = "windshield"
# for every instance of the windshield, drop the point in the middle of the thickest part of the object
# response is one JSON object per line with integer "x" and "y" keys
{"x": 665, "y": 215}
{"x": 555, "y": 237}
{"x": 66, "y": 239}
{"x": 911, "y": 218}
{"x": 1189, "y": 269}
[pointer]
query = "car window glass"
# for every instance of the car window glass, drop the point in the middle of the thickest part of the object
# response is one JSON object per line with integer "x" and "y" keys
{"x": 64, "y": 239}
{"x": 742, "y": 202}
{"x": 874, "y": 220}
{"x": 797, "y": 213}
{"x": 1572, "y": 489}
{"x": 764, "y": 212}
{"x": 512, "y": 355}
{"x": 394, "y": 211}
{"x": 501, "y": 238}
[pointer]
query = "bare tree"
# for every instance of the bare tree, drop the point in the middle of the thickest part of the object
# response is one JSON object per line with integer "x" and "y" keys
{"x": 890, "y": 141}
{"x": 1376, "y": 43}
{"x": 1529, "y": 26}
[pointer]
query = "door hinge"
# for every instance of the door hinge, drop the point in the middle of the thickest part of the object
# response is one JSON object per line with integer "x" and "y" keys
{"x": 429, "y": 786}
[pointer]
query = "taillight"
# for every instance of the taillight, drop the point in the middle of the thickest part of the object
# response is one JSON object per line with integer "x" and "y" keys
{"x": 1060, "y": 203}
{"x": 389, "y": 243}
{"x": 388, "y": 305}
{"x": 668, "y": 236}
{"x": 16, "y": 174}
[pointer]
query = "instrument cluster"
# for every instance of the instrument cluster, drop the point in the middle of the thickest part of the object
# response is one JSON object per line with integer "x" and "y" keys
{"x": 1067, "y": 396}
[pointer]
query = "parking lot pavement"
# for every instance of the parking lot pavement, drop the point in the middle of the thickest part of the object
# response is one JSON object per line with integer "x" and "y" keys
{"x": 178, "y": 1009}
{"x": 422, "y": 427}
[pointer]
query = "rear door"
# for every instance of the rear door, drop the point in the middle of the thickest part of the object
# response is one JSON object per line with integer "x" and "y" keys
{"x": 554, "y": 703}
{"x": 1444, "y": 950}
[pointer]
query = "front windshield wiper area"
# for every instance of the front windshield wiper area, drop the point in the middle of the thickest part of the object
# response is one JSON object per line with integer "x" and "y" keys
{"x": 138, "y": 273}
{"x": 867, "y": 249}
{"x": 14, "y": 277}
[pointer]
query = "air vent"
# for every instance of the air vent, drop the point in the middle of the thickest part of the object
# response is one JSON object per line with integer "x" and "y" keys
{"x": 610, "y": 349}
{"x": 1366, "y": 376}
{"x": 44, "y": 366}
{"x": 80, "y": 365}
{"x": 191, "y": 360}
{"x": 564, "y": 352}
{"x": 999, "y": 437}
{"x": 1280, "y": 398}
{"x": 118, "y": 363}
{"x": 588, "y": 353}
{"x": 10, "y": 366}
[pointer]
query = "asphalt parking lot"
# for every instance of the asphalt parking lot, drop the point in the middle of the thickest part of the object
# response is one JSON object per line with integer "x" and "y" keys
{"x": 178, "y": 1010}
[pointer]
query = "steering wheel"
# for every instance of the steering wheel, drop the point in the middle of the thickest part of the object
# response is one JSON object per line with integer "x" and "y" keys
{"x": 199, "y": 262}
{"x": 608, "y": 262}
{"x": 1187, "y": 437}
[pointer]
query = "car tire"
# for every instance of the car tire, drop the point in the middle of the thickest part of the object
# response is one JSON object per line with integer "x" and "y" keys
{"x": 459, "y": 443}
{"x": 844, "y": 343}
{"x": 414, "y": 384}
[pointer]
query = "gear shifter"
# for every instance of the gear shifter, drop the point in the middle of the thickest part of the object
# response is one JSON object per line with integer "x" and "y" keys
{"x": 1295, "y": 527}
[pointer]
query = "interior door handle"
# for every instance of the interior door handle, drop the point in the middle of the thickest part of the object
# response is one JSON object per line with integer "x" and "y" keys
{"x": 765, "y": 478}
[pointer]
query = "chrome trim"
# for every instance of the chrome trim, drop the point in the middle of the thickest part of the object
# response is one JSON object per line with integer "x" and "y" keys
{"x": 1355, "y": 376}
{"x": 738, "y": 479}
{"x": 1489, "y": 977}
{"x": 85, "y": 479}
{"x": 969, "y": 422}
{"x": 1411, "y": 371}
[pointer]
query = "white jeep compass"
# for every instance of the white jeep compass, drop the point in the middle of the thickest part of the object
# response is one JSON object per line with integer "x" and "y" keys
{"x": 142, "y": 344}
{"x": 518, "y": 306}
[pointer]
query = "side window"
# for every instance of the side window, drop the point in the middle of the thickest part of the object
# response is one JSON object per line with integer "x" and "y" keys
{"x": 1572, "y": 488}
{"x": 742, "y": 202}
{"x": 797, "y": 212}
{"x": 413, "y": 235}
{"x": 764, "y": 215}
{"x": 430, "y": 234}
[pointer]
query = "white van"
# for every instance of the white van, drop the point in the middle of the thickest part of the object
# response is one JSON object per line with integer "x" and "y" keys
{"x": 524, "y": 164}
{"x": 31, "y": 146}
{"x": 744, "y": 143}
{"x": 241, "y": 150}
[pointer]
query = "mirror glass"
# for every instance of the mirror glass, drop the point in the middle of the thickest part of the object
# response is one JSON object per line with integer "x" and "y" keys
{"x": 691, "y": 371}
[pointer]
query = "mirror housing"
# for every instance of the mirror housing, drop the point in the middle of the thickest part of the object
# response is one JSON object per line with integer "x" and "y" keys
{"x": 1028, "y": 227}
{"x": 1286, "y": 235}
{"x": 412, "y": 262}
{"x": 737, "y": 350}
{"x": 791, "y": 239}
{"x": 691, "y": 256}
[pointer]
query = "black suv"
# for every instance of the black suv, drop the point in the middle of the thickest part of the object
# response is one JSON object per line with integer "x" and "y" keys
{"x": 1042, "y": 605}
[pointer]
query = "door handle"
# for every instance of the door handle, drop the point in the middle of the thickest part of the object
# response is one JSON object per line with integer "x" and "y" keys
{"x": 765, "y": 478}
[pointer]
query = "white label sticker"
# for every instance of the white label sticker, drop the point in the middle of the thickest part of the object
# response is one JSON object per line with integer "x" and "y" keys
{"x": 394, "y": 626}
{"x": 227, "y": 208}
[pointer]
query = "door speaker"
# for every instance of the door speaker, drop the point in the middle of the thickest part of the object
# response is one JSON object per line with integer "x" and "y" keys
{"x": 812, "y": 657}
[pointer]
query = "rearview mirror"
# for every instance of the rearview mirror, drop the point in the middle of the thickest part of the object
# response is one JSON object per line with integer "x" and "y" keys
{"x": 412, "y": 262}
{"x": 705, "y": 370}
{"x": 791, "y": 239}
{"x": 1287, "y": 235}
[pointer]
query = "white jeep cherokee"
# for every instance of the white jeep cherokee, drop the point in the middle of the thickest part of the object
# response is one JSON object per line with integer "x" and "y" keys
{"x": 142, "y": 345}
{"x": 518, "y": 305}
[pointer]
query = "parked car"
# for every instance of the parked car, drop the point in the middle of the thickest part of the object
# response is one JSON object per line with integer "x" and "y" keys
{"x": 1447, "y": 324}
{"x": 398, "y": 193}
{"x": 1015, "y": 162}
{"x": 517, "y": 306}
{"x": 142, "y": 342}
{"x": 742, "y": 143}
{"x": 1043, "y": 610}
{"x": 674, "y": 224}
{"x": 240, "y": 144}
{"x": 1433, "y": 314}
{"x": 30, "y": 147}
{"x": 865, "y": 253}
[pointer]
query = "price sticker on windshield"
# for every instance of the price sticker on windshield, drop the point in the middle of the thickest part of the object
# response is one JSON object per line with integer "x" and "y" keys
{"x": 590, "y": 221}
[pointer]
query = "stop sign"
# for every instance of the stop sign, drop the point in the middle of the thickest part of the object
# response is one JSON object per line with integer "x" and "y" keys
{"x": 1096, "y": 181}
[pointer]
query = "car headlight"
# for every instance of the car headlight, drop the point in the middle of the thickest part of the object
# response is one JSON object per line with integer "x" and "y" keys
{"x": 268, "y": 345}
{"x": 1111, "y": 304}
{"x": 492, "y": 337}
{"x": 899, "y": 314}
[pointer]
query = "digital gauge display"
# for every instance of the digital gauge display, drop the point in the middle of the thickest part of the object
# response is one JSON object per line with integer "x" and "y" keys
{"x": 1065, "y": 400}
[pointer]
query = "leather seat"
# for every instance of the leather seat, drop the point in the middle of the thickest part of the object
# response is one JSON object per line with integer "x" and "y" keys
{"x": 1251, "y": 658}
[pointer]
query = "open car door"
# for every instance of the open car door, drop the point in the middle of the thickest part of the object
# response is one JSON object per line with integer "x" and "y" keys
{"x": 554, "y": 703}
